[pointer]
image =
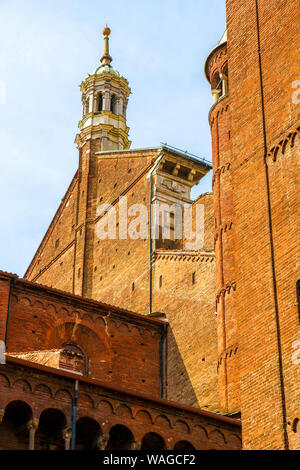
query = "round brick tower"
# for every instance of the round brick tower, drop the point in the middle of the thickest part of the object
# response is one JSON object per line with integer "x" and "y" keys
{"x": 216, "y": 70}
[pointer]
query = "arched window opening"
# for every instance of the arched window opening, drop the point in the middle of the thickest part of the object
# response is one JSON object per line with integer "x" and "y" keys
{"x": 120, "y": 438}
{"x": 50, "y": 434}
{"x": 224, "y": 81}
{"x": 219, "y": 84}
{"x": 113, "y": 104}
{"x": 88, "y": 432}
{"x": 100, "y": 103}
{"x": 153, "y": 441}
{"x": 184, "y": 446}
{"x": 72, "y": 358}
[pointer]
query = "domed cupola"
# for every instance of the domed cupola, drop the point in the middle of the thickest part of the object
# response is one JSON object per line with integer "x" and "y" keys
{"x": 105, "y": 96}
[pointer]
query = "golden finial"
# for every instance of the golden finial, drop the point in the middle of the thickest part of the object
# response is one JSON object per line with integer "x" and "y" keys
{"x": 106, "y": 58}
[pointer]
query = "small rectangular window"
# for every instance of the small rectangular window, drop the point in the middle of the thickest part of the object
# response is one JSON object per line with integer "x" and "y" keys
{"x": 160, "y": 282}
{"x": 194, "y": 278}
{"x": 57, "y": 243}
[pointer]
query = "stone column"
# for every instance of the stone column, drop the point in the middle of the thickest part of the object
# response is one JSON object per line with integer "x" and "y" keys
{"x": 106, "y": 103}
{"x": 2, "y": 413}
{"x": 67, "y": 436}
{"x": 102, "y": 441}
{"x": 32, "y": 427}
{"x": 216, "y": 95}
{"x": 224, "y": 79}
{"x": 95, "y": 102}
{"x": 120, "y": 106}
{"x": 135, "y": 446}
{"x": 91, "y": 100}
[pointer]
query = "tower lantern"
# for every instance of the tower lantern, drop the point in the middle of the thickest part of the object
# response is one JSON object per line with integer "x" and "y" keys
{"x": 105, "y": 96}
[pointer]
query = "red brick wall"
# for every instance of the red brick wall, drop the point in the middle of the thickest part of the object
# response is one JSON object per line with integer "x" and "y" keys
{"x": 4, "y": 301}
{"x": 265, "y": 149}
{"x": 81, "y": 263}
{"x": 192, "y": 334}
{"x": 121, "y": 349}
{"x": 118, "y": 264}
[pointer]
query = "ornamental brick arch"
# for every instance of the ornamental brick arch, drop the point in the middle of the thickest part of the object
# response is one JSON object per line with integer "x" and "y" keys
{"x": 217, "y": 439}
{"x": 163, "y": 422}
{"x": 106, "y": 408}
{"x": 21, "y": 385}
{"x": 64, "y": 396}
{"x": 43, "y": 391}
{"x": 125, "y": 411}
{"x": 182, "y": 426}
{"x": 144, "y": 417}
{"x": 87, "y": 340}
{"x": 234, "y": 442}
{"x": 201, "y": 433}
{"x": 86, "y": 401}
{"x": 4, "y": 381}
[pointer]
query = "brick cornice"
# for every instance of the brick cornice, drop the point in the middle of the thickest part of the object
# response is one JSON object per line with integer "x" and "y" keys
{"x": 228, "y": 353}
{"x": 221, "y": 170}
{"x": 224, "y": 228}
{"x": 288, "y": 140}
{"x": 182, "y": 255}
{"x": 222, "y": 106}
{"x": 287, "y": 137}
{"x": 230, "y": 286}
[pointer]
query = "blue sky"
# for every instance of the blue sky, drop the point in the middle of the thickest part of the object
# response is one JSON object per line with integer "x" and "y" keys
{"x": 47, "y": 49}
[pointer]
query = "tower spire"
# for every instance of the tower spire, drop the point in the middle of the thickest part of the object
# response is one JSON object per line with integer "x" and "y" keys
{"x": 106, "y": 58}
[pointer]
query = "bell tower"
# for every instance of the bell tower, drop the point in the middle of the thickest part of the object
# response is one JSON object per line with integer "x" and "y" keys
{"x": 105, "y": 96}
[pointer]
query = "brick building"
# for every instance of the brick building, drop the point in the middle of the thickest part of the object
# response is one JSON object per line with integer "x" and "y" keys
{"x": 147, "y": 320}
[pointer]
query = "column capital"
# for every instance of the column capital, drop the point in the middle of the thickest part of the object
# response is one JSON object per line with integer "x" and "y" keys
{"x": 2, "y": 413}
{"x": 102, "y": 441}
{"x": 33, "y": 424}
{"x": 135, "y": 446}
{"x": 67, "y": 433}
